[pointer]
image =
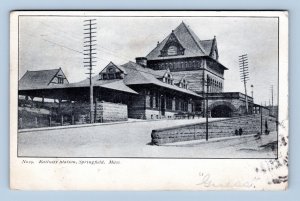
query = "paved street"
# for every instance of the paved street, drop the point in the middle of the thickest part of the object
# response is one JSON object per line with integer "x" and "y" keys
{"x": 132, "y": 139}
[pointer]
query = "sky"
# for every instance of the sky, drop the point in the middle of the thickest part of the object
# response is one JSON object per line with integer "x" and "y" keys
{"x": 52, "y": 42}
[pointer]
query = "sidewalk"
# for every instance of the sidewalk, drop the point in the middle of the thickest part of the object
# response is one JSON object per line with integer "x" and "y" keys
{"x": 176, "y": 122}
{"x": 202, "y": 141}
{"x": 243, "y": 143}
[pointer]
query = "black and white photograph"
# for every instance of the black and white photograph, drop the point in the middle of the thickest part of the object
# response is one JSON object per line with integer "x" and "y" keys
{"x": 149, "y": 86}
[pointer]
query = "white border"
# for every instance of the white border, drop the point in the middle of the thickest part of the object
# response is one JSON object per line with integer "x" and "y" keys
{"x": 150, "y": 174}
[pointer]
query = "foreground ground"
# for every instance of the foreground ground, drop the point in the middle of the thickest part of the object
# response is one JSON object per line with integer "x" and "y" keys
{"x": 131, "y": 139}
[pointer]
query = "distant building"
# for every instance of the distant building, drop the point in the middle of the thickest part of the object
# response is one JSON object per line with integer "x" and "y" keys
{"x": 42, "y": 78}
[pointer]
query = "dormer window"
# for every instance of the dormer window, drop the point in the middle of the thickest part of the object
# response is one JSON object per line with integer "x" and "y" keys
{"x": 172, "y": 47}
{"x": 183, "y": 84}
{"x": 168, "y": 79}
{"x": 111, "y": 71}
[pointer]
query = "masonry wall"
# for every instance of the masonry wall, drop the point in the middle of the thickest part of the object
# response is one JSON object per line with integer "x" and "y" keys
{"x": 235, "y": 99}
{"x": 194, "y": 69}
{"x": 103, "y": 112}
{"x": 155, "y": 114}
{"x": 250, "y": 124}
{"x": 109, "y": 112}
{"x": 152, "y": 114}
{"x": 194, "y": 79}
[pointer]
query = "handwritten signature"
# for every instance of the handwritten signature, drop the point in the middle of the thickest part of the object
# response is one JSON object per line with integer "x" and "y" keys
{"x": 205, "y": 180}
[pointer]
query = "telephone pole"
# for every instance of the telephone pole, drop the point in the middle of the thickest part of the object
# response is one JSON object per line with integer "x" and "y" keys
{"x": 207, "y": 83}
{"x": 244, "y": 73}
{"x": 272, "y": 106}
{"x": 89, "y": 56}
{"x": 272, "y": 95}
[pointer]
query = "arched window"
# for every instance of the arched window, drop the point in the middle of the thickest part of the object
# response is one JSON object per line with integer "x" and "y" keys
{"x": 172, "y": 50}
{"x": 194, "y": 64}
{"x": 111, "y": 70}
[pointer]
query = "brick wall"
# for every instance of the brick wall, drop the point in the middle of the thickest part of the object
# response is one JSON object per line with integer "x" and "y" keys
{"x": 193, "y": 78}
{"x": 223, "y": 128}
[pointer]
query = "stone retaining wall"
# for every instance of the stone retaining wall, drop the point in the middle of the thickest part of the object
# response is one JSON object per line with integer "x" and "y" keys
{"x": 250, "y": 124}
{"x": 107, "y": 112}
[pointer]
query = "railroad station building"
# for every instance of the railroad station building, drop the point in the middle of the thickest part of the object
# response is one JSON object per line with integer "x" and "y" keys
{"x": 172, "y": 81}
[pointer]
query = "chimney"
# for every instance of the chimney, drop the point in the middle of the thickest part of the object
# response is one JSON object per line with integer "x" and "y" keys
{"x": 141, "y": 61}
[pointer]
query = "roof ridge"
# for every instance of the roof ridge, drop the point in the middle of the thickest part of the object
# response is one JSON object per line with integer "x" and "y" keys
{"x": 180, "y": 88}
{"x": 134, "y": 68}
{"x": 192, "y": 34}
{"x": 166, "y": 38}
{"x": 43, "y": 70}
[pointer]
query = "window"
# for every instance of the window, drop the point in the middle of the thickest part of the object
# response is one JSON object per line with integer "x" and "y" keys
{"x": 151, "y": 99}
{"x": 111, "y": 76}
{"x": 118, "y": 75}
{"x": 111, "y": 70}
{"x": 168, "y": 79}
{"x": 194, "y": 64}
{"x": 182, "y": 105}
{"x": 60, "y": 80}
{"x": 172, "y": 50}
{"x": 169, "y": 103}
{"x": 156, "y": 99}
{"x": 176, "y": 104}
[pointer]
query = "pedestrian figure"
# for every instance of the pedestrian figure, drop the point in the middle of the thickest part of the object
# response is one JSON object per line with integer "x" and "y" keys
{"x": 240, "y": 131}
{"x": 236, "y": 132}
{"x": 266, "y": 128}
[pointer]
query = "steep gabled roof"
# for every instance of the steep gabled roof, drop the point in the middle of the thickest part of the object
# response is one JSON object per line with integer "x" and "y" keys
{"x": 187, "y": 38}
{"x": 41, "y": 78}
{"x": 137, "y": 74}
{"x": 178, "y": 78}
{"x": 116, "y": 66}
{"x": 207, "y": 45}
{"x": 115, "y": 84}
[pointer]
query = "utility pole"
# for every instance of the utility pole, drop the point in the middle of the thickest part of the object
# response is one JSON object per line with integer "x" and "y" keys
{"x": 89, "y": 58}
{"x": 206, "y": 110}
{"x": 272, "y": 96}
{"x": 244, "y": 73}
{"x": 272, "y": 108}
{"x": 203, "y": 89}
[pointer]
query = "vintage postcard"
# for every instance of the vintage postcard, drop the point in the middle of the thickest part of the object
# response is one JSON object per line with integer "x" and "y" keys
{"x": 149, "y": 100}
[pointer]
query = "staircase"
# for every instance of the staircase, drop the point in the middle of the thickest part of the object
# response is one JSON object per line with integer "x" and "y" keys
{"x": 243, "y": 125}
